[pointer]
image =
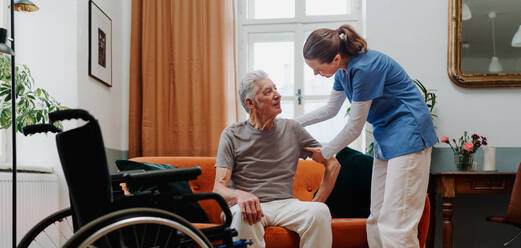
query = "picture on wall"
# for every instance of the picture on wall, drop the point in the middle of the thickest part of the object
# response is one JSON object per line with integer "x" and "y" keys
{"x": 100, "y": 44}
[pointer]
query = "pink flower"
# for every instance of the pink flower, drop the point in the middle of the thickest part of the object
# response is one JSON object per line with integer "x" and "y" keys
{"x": 468, "y": 146}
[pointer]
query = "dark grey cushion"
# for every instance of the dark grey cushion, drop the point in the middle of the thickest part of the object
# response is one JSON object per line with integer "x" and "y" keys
{"x": 352, "y": 193}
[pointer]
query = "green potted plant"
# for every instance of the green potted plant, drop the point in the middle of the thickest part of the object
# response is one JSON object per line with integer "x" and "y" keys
{"x": 428, "y": 95}
{"x": 32, "y": 105}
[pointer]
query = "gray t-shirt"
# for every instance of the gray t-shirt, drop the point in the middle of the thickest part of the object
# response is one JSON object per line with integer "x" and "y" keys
{"x": 264, "y": 163}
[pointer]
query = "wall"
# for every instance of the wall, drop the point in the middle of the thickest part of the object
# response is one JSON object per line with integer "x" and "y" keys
{"x": 45, "y": 42}
{"x": 53, "y": 42}
{"x": 414, "y": 33}
{"x": 110, "y": 106}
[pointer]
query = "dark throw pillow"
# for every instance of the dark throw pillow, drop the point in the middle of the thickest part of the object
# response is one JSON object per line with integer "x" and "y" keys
{"x": 352, "y": 193}
{"x": 190, "y": 210}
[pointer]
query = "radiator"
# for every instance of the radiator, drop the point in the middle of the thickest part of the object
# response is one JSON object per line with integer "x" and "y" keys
{"x": 37, "y": 197}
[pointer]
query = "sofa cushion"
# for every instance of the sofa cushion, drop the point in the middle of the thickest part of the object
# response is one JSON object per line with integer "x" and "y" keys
{"x": 190, "y": 210}
{"x": 279, "y": 237}
{"x": 347, "y": 233}
{"x": 307, "y": 179}
{"x": 351, "y": 196}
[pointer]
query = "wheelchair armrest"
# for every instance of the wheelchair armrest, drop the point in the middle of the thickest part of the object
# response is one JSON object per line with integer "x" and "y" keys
{"x": 221, "y": 232}
{"x": 120, "y": 177}
{"x": 210, "y": 195}
{"x": 161, "y": 176}
{"x": 118, "y": 190}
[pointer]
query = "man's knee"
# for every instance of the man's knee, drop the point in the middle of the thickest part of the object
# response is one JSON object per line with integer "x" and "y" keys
{"x": 319, "y": 212}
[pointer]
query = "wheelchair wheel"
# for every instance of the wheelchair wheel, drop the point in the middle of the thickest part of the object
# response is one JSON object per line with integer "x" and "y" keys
{"x": 52, "y": 231}
{"x": 138, "y": 227}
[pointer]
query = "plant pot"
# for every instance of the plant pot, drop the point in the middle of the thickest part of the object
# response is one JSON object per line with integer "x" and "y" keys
{"x": 463, "y": 161}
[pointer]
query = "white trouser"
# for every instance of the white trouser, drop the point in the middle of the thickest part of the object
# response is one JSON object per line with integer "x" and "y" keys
{"x": 311, "y": 220}
{"x": 398, "y": 190}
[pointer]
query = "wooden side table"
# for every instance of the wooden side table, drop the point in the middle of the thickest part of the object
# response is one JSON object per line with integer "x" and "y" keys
{"x": 449, "y": 184}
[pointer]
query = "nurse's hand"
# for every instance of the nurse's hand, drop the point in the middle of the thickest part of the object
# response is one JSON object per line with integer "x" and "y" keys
{"x": 317, "y": 154}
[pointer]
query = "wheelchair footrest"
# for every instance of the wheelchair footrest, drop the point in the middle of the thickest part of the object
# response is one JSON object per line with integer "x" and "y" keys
{"x": 238, "y": 244}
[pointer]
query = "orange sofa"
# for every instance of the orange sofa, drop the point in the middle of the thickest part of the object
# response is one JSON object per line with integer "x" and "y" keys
{"x": 347, "y": 232}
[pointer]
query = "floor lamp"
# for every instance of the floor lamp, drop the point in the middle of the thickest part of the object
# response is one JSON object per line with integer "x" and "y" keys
{"x": 24, "y": 6}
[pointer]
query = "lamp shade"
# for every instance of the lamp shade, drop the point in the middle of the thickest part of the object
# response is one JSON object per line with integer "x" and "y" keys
{"x": 25, "y": 6}
{"x": 4, "y": 48}
{"x": 494, "y": 65}
{"x": 465, "y": 13}
{"x": 516, "y": 41}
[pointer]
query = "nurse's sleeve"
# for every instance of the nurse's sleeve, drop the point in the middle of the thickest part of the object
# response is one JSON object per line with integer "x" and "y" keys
{"x": 351, "y": 131}
{"x": 328, "y": 111}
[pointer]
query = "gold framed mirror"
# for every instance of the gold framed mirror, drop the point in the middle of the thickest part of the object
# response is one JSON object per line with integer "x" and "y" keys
{"x": 484, "y": 47}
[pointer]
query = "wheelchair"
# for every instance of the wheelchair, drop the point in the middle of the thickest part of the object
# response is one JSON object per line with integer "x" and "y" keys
{"x": 101, "y": 215}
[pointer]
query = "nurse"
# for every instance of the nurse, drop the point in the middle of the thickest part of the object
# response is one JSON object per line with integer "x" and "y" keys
{"x": 380, "y": 92}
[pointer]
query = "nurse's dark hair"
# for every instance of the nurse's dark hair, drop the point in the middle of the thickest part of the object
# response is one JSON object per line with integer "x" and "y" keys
{"x": 324, "y": 44}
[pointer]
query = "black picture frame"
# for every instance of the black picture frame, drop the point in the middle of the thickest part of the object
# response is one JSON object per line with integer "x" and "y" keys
{"x": 100, "y": 44}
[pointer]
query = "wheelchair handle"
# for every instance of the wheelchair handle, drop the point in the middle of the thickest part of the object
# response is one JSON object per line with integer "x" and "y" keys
{"x": 68, "y": 114}
{"x": 40, "y": 128}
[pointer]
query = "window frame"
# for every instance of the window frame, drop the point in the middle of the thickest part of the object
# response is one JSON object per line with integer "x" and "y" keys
{"x": 300, "y": 25}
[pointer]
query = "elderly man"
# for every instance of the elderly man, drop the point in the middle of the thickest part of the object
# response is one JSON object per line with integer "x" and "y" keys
{"x": 259, "y": 157}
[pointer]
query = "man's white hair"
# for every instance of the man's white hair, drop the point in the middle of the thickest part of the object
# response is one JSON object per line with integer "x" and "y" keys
{"x": 249, "y": 88}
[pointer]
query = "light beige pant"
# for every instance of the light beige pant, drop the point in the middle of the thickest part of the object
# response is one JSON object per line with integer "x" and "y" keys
{"x": 398, "y": 190}
{"x": 311, "y": 220}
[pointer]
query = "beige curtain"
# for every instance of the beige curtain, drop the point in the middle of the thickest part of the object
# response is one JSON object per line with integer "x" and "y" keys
{"x": 182, "y": 76}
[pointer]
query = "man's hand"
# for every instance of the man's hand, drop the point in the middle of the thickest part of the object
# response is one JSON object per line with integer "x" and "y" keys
{"x": 250, "y": 207}
{"x": 249, "y": 203}
{"x": 317, "y": 154}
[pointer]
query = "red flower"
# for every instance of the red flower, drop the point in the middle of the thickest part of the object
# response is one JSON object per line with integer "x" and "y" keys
{"x": 468, "y": 146}
{"x": 465, "y": 144}
{"x": 484, "y": 140}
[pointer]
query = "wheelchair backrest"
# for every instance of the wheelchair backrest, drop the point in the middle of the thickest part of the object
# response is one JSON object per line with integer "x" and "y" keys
{"x": 84, "y": 163}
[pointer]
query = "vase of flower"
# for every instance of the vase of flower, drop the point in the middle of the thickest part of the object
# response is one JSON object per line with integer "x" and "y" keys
{"x": 463, "y": 161}
{"x": 464, "y": 149}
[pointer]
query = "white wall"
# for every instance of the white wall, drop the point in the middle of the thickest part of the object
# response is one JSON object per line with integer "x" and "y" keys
{"x": 108, "y": 105}
{"x": 45, "y": 42}
{"x": 53, "y": 42}
{"x": 414, "y": 33}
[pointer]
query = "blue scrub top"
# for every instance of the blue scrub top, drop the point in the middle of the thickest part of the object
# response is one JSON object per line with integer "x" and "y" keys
{"x": 401, "y": 121}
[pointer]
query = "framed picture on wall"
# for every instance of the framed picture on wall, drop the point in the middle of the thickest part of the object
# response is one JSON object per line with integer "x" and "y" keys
{"x": 100, "y": 45}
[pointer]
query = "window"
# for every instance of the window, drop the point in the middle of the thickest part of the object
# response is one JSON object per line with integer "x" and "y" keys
{"x": 271, "y": 34}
